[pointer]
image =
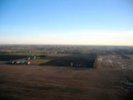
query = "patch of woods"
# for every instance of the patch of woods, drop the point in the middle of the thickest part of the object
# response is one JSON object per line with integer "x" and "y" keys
{"x": 11, "y": 57}
{"x": 80, "y": 60}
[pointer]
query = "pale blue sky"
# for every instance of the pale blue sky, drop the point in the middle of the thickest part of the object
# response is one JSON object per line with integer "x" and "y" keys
{"x": 89, "y": 22}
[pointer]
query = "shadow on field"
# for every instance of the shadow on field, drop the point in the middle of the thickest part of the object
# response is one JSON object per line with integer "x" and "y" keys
{"x": 76, "y": 61}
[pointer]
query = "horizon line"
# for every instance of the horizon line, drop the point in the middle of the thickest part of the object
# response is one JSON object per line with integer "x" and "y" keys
{"x": 67, "y": 45}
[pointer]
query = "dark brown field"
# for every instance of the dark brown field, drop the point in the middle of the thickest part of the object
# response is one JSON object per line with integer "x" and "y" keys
{"x": 59, "y": 83}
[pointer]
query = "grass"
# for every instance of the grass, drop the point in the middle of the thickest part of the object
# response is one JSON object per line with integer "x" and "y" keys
{"x": 39, "y": 61}
{"x": 20, "y": 53}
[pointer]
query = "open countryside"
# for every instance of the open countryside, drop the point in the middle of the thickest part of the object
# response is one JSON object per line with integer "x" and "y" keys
{"x": 60, "y": 73}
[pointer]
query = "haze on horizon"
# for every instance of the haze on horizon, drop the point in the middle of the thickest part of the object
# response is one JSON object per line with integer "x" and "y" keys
{"x": 80, "y": 22}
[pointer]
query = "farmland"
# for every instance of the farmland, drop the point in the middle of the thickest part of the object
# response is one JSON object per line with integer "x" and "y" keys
{"x": 66, "y": 73}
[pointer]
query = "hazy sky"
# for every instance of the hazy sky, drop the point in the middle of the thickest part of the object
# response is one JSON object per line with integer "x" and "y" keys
{"x": 89, "y": 22}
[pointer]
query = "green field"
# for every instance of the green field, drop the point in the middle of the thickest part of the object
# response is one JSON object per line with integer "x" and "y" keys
{"x": 20, "y": 53}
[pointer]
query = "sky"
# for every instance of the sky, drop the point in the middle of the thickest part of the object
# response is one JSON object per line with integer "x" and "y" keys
{"x": 71, "y": 22}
